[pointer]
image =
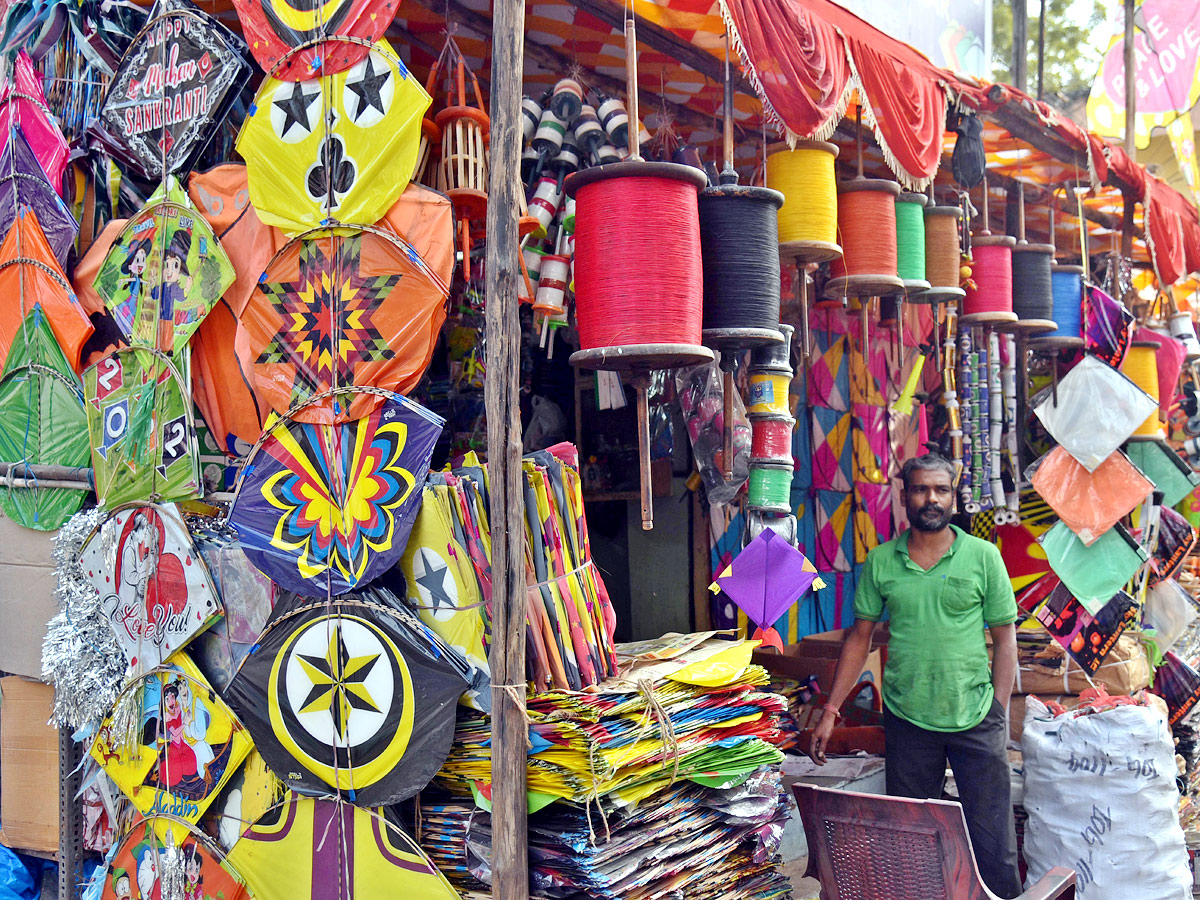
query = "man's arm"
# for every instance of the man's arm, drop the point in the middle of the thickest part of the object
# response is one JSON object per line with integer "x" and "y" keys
{"x": 855, "y": 649}
{"x": 1004, "y": 661}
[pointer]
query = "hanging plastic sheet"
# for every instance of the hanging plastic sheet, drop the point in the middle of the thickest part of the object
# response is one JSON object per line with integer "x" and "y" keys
{"x": 276, "y": 30}
{"x": 1092, "y": 573}
{"x": 1176, "y": 539}
{"x": 1169, "y": 610}
{"x": 1086, "y": 637}
{"x": 1090, "y": 503}
{"x": 24, "y": 183}
{"x": 1179, "y": 684}
{"x": 1094, "y": 411}
{"x": 1171, "y": 475}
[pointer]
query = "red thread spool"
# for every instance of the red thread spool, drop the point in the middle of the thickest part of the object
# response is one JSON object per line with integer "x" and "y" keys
{"x": 867, "y": 230}
{"x": 772, "y": 437}
{"x": 639, "y": 278}
{"x": 992, "y": 296}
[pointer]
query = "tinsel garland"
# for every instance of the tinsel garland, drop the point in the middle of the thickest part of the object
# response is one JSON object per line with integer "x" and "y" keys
{"x": 80, "y": 656}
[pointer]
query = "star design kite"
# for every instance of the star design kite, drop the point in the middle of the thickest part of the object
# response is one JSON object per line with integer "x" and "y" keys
{"x": 337, "y": 682}
{"x": 368, "y": 88}
{"x": 434, "y": 579}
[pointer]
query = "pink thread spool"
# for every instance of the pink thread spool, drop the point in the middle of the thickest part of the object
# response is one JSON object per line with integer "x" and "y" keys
{"x": 991, "y": 299}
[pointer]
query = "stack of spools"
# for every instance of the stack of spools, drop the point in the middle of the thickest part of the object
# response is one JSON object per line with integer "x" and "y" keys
{"x": 771, "y": 466}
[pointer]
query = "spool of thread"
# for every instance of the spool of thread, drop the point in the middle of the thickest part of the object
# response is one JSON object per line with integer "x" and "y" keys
{"x": 549, "y": 135}
{"x": 772, "y": 437}
{"x": 808, "y": 219}
{"x": 588, "y": 130}
{"x": 992, "y": 273}
{"x": 530, "y": 161}
{"x": 740, "y": 248}
{"x": 567, "y": 160}
{"x": 777, "y": 355}
{"x": 910, "y": 241}
{"x": 769, "y": 392}
{"x": 531, "y": 115}
{"x": 1033, "y": 296}
{"x": 1184, "y": 329}
{"x": 943, "y": 253}
{"x": 568, "y": 215}
{"x": 552, "y": 285}
{"x": 533, "y": 257}
{"x": 866, "y": 215}
{"x": 1141, "y": 367}
{"x": 567, "y": 99}
{"x": 1066, "y": 285}
{"x": 770, "y": 487}
{"x": 638, "y": 271}
{"x": 545, "y": 203}
{"x": 615, "y": 120}
{"x": 606, "y": 154}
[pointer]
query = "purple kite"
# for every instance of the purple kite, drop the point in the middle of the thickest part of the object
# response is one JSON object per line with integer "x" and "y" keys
{"x": 23, "y": 182}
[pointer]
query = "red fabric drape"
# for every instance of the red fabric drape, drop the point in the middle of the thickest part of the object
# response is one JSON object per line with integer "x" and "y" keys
{"x": 1174, "y": 230}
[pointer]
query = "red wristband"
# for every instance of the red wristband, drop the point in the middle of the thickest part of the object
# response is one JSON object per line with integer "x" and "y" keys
{"x": 829, "y": 707}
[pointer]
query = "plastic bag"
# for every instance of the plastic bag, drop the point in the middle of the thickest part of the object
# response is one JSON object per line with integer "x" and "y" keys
{"x": 547, "y": 425}
{"x": 1090, "y": 503}
{"x": 1169, "y": 610}
{"x": 1101, "y": 797}
{"x": 16, "y": 881}
{"x": 1097, "y": 409}
{"x": 702, "y": 398}
{"x": 1093, "y": 574}
{"x": 1176, "y": 539}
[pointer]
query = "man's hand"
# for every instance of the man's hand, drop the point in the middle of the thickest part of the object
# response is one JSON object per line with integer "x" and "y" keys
{"x": 821, "y": 736}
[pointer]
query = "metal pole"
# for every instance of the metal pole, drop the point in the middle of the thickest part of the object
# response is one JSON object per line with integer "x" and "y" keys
{"x": 1130, "y": 80}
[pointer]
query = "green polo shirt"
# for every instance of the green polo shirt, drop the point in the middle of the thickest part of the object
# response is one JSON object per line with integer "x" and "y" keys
{"x": 937, "y": 675}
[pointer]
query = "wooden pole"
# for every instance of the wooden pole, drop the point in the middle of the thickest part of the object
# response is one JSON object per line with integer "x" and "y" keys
{"x": 1041, "y": 59}
{"x": 1020, "y": 60}
{"x": 510, "y": 731}
{"x": 1130, "y": 81}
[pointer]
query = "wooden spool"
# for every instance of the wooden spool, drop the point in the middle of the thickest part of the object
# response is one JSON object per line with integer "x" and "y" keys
{"x": 431, "y": 137}
{"x": 805, "y": 250}
{"x": 463, "y": 167}
{"x": 1030, "y": 326}
{"x": 865, "y": 285}
{"x": 990, "y": 317}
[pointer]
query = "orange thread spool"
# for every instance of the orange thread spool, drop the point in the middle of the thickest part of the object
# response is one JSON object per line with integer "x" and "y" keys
{"x": 867, "y": 230}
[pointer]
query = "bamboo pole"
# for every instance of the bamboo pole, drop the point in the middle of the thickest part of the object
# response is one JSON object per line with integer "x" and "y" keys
{"x": 510, "y": 731}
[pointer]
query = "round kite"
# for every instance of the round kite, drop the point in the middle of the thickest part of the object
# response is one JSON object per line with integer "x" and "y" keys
{"x": 323, "y": 509}
{"x": 350, "y": 696}
{"x": 162, "y": 850}
{"x": 351, "y": 306}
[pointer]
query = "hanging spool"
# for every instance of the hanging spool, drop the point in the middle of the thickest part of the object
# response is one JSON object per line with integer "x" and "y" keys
{"x": 769, "y": 389}
{"x": 776, "y": 355}
{"x": 808, "y": 218}
{"x": 1184, "y": 329}
{"x": 531, "y": 115}
{"x": 615, "y": 120}
{"x": 866, "y": 216}
{"x": 910, "y": 243}
{"x": 567, "y": 99}
{"x": 552, "y": 285}
{"x": 531, "y": 263}
{"x": 770, "y": 488}
{"x": 1066, "y": 289}
{"x": 990, "y": 301}
{"x": 605, "y": 155}
{"x": 771, "y": 437}
{"x": 463, "y": 168}
{"x": 545, "y": 203}
{"x": 943, "y": 255}
{"x": 589, "y": 133}
{"x": 1032, "y": 287}
{"x": 1141, "y": 367}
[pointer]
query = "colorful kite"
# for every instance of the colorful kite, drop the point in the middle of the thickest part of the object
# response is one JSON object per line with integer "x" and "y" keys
{"x": 1086, "y": 637}
{"x": 833, "y": 511}
{"x": 42, "y": 422}
{"x": 1166, "y": 468}
{"x": 350, "y": 696}
{"x": 832, "y": 458}
{"x": 141, "y": 428}
{"x": 170, "y": 743}
{"x": 154, "y": 588}
{"x": 30, "y": 277}
{"x": 170, "y": 91}
{"x": 162, "y": 849}
{"x": 23, "y": 106}
{"x": 323, "y": 509}
{"x": 24, "y": 183}
{"x": 335, "y": 308}
{"x": 1090, "y": 502}
{"x": 338, "y": 149}
{"x": 306, "y": 849}
{"x": 276, "y": 30}
{"x": 164, "y": 272}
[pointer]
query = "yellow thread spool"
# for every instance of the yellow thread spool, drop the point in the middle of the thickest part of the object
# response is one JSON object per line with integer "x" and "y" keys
{"x": 1141, "y": 366}
{"x": 769, "y": 391}
{"x": 808, "y": 217}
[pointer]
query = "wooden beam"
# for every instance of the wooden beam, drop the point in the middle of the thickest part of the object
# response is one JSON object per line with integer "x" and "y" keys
{"x": 502, "y": 397}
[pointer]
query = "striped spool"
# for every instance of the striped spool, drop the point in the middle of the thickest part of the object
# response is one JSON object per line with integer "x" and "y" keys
{"x": 808, "y": 218}
{"x": 552, "y": 285}
{"x": 867, "y": 226}
{"x": 769, "y": 392}
{"x": 772, "y": 437}
{"x": 567, "y": 99}
{"x": 1141, "y": 367}
{"x": 544, "y": 205}
{"x": 615, "y": 120}
{"x": 991, "y": 298}
{"x": 770, "y": 488}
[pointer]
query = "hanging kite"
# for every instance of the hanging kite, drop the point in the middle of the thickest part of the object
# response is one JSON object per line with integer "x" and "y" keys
{"x": 164, "y": 272}
{"x": 276, "y": 30}
{"x": 352, "y": 306}
{"x": 350, "y": 696}
{"x": 322, "y": 509}
{"x": 171, "y": 90}
{"x": 338, "y": 149}
{"x": 23, "y": 105}
{"x": 170, "y": 743}
{"x": 141, "y": 429}
{"x": 306, "y": 849}
{"x": 164, "y": 856}
{"x": 30, "y": 277}
{"x": 23, "y": 183}
{"x": 42, "y": 422}
{"x": 154, "y": 588}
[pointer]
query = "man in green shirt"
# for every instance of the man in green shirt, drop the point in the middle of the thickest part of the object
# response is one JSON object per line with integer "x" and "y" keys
{"x": 942, "y": 701}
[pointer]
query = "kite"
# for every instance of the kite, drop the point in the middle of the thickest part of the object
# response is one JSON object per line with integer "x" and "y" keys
{"x": 1166, "y": 468}
{"x": 833, "y": 511}
{"x": 828, "y": 373}
{"x": 42, "y": 422}
{"x": 23, "y": 106}
{"x": 30, "y": 277}
{"x": 352, "y": 696}
{"x": 322, "y": 509}
{"x": 154, "y": 588}
{"x": 277, "y": 30}
{"x": 1092, "y": 573}
{"x": 1087, "y": 638}
{"x": 24, "y": 183}
{"x": 1176, "y": 540}
{"x": 306, "y": 849}
{"x": 161, "y": 850}
{"x": 831, "y": 455}
{"x": 170, "y": 743}
{"x": 351, "y": 306}
{"x": 333, "y": 150}
{"x": 170, "y": 91}
{"x": 765, "y": 580}
{"x": 1024, "y": 559}
{"x": 141, "y": 429}
{"x": 1090, "y": 503}
{"x": 164, "y": 272}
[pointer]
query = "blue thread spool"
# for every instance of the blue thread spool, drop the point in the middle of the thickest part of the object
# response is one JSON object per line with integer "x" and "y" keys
{"x": 1066, "y": 283}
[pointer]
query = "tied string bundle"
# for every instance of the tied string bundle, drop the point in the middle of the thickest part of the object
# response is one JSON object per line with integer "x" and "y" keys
{"x": 806, "y": 178}
{"x": 772, "y": 438}
{"x": 1033, "y": 296}
{"x": 867, "y": 226}
{"x": 910, "y": 237}
{"x": 739, "y": 240}
{"x": 638, "y": 272}
{"x": 1066, "y": 283}
{"x": 943, "y": 254}
{"x": 993, "y": 276}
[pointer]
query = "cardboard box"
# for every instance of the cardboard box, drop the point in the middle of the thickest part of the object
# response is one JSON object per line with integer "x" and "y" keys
{"x": 818, "y": 655}
{"x": 27, "y": 600}
{"x": 28, "y": 766}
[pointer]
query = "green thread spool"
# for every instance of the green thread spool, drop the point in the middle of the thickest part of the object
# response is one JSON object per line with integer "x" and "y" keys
{"x": 770, "y": 487}
{"x": 910, "y": 238}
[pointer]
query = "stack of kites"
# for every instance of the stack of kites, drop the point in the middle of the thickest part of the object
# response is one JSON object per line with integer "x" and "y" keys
{"x": 665, "y": 780}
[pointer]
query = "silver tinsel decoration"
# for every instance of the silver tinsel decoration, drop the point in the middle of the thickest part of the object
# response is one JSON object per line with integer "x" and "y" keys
{"x": 80, "y": 656}
{"x": 172, "y": 874}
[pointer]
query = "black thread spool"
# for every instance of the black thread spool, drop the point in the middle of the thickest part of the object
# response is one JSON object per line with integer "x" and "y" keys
{"x": 774, "y": 356}
{"x": 1033, "y": 294}
{"x": 739, "y": 241}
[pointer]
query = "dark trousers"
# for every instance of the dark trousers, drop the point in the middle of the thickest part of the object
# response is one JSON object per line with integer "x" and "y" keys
{"x": 916, "y": 767}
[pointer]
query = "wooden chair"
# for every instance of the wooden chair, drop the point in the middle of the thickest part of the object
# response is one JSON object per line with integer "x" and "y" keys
{"x": 867, "y": 847}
